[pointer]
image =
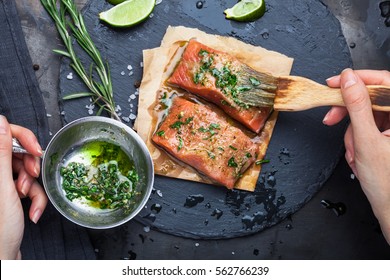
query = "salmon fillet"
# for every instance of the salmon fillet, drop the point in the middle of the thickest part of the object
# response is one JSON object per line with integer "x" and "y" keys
{"x": 220, "y": 78}
{"x": 203, "y": 138}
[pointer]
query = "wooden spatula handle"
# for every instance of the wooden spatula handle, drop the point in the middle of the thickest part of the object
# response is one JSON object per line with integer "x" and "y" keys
{"x": 297, "y": 93}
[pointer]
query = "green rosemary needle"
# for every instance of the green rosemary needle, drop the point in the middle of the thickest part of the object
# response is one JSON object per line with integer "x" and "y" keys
{"x": 70, "y": 25}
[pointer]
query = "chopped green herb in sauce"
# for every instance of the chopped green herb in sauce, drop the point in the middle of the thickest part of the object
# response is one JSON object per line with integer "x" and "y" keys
{"x": 108, "y": 182}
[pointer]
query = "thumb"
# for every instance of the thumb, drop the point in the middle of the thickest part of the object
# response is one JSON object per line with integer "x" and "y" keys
{"x": 358, "y": 104}
{"x": 5, "y": 151}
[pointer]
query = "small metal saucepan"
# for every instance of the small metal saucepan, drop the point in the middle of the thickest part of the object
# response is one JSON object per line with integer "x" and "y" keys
{"x": 66, "y": 141}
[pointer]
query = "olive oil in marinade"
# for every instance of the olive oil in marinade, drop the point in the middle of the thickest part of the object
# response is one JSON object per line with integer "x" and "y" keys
{"x": 101, "y": 174}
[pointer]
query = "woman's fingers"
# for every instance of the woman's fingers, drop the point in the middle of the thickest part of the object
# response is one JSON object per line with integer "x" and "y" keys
{"x": 350, "y": 149}
{"x": 335, "y": 115}
{"x": 358, "y": 104}
{"x": 5, "y": 154}
{"x": 369, "y": 77}
{"x": 32, "y": 165}
{"x": 372, "y": 77}
{"x": 24, "y": 179}
{"x": 38, "y": 201}
{"x": 27, "y": 139}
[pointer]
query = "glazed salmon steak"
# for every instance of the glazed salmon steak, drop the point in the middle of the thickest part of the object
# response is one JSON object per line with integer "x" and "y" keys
{"x": 203, "y": 137}
{"x": 221, "y": 79}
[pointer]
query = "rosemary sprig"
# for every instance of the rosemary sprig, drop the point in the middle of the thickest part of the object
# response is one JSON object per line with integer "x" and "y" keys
{"x": 70, "y": 24}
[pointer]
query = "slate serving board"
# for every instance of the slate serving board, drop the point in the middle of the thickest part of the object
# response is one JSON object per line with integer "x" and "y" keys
{"x": 302, "y": 152}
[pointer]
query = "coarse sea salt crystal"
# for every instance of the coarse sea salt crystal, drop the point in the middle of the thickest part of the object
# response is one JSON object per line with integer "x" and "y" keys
{"x": 158, "y": 2}
{"x": 129, "y": 67}
{"x": 132, "y": 96}
{"x": 146, "y": 229}
{"x": 141, "y": 64}
{"x": 70, "y": 76}
{"x": 352, "y": 176}
{"x": 123, "y": 73}
{"x": 132, "y": 116}
{"x": 126, "y": 119}
{"x": 131, "y": 73}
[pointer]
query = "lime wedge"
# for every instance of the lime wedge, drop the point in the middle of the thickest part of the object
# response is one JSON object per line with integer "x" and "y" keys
{"x": 115, "y": 2}
{"x": 128, "y": 13}
{"x": 246, "y": 10}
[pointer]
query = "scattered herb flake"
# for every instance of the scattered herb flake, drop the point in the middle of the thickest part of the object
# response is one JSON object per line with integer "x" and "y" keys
{"x": 232, "y": 162}
{"x": 258, "y": 162}
{"x": 161, "y": 133}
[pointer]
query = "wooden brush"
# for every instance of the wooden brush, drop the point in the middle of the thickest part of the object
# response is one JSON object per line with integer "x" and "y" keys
{"x": 293, "y": 93}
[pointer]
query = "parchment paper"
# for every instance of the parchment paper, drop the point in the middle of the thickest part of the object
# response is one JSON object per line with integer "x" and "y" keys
{"x": 155, "y": 62}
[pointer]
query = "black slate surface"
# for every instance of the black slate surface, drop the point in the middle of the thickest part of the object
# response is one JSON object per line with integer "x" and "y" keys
{"x": 303, "y": 152}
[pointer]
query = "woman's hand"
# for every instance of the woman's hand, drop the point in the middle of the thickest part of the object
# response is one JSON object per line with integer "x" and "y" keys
{"x": 367, "y": 139}
{"x": 25, "y": 169}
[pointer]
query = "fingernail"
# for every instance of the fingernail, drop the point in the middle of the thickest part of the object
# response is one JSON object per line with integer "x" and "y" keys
{"x": 37, "y": 166}
{"x": 36, "y": 216}
{"x": 39, "y": 150}
{"x": 3, "y": 125}
{"x": 24, "y": 188}
{"x": 348, "y": 157}
{"x": 325, "y": 118}
{"x": 330, "y": 78}
{"x": 348, "y": 78}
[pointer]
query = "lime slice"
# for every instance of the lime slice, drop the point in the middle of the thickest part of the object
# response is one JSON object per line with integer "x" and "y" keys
{"x": 246, "y": 10}
{"x": 115, "y": 2}
{"x": 128, "y": 13}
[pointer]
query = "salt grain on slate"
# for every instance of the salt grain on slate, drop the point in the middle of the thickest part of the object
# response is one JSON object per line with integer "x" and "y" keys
{"x": 70, "y": 76}
{"x": 159, "y": 193}
{"x": 132, "y": 116}
{"x": 123, "y": 73}
{"x": 146, "y": 229}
